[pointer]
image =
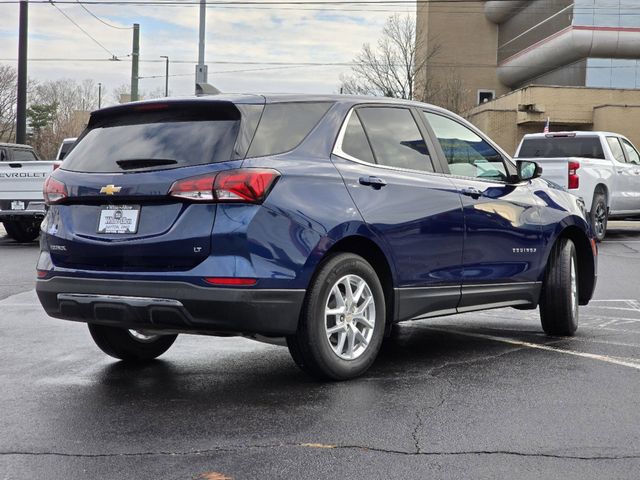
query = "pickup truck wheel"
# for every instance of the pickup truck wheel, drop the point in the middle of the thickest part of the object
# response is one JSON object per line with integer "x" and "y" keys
{"x": 559, "y": 297}
{"x": 342, "y": 321}
{"x": 22, "y": 231}
{"x": 599, "y": 215}
{"x": 130, "y": 345}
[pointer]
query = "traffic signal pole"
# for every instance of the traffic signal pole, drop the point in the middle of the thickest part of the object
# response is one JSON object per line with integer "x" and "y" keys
{"x": 21, "y": 110}
{"x": 135, "y": 58}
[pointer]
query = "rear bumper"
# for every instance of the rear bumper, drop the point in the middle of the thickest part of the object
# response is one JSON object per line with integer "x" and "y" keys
{"x": 172, "y": 307}
{"x": 33, "y": 208}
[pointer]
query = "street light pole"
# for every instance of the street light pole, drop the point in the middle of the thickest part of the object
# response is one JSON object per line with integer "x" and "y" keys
{"x": 99, "y": 94}
{"x": 166, "y": 75}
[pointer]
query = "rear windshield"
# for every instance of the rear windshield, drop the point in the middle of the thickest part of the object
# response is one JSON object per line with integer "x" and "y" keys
{"x": 558, "y": 147}
{"x": 18, "y": 155}
{"x": 161, "y": 138}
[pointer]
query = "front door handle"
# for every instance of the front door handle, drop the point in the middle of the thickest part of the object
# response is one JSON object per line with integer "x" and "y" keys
{"x": 471, "y": 192}
{"x": 375, "y": 182}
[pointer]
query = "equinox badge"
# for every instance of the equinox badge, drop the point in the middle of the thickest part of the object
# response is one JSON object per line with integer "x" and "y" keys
{"x": 110, "y": 189}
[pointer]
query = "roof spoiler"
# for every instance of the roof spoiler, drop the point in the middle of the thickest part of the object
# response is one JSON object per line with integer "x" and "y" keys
{"x": 206, "y": 89}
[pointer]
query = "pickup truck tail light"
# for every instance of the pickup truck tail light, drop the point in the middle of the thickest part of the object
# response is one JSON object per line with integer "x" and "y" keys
{"x": 54, "y": 191}
{"x": 245, "y": 185}
{"x": 573, "y": 179}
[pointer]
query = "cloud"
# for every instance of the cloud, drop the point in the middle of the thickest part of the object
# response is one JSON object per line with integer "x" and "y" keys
{"x": 233, "y": 34}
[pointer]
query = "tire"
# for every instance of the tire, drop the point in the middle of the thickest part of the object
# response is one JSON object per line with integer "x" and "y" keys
{"x": 22, "y": 231}
{"x": 130, "y": 345}
{"x": 599, "y": 215}
{"x": 350, "y": 349}
{"x": 559, "y": 309}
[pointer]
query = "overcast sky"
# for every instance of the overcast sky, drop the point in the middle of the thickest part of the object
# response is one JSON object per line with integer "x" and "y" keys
{"x": 247, "y": 34}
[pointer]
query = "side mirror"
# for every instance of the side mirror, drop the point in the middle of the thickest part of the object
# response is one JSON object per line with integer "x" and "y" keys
{"x": 528, "y": 170}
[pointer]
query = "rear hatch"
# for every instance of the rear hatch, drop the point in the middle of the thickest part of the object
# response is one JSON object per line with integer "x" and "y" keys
{"x": 118, "y": 215}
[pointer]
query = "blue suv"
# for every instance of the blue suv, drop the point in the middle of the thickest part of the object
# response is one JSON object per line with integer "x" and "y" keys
{"x": 321, "y": 219}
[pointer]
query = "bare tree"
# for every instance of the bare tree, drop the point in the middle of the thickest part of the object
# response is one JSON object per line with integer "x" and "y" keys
{"x": 8, "y": 100}
{"x": 73, "y": 103}
{"x": 452, "y": 93}
{"x": 391, "y": 69}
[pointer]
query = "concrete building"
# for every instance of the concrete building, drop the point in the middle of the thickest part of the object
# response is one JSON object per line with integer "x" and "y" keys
{"x": 508, "y": 49}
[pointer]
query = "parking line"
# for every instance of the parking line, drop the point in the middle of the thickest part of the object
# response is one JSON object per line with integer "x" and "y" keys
{"x": 519, "y": 343}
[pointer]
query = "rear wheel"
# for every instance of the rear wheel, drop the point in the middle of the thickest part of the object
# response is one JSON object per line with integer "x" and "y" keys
{"x": 599, "y": 215}
{"x": 559, "y": 297}
{"x": 22, "y": 231}
{"x": 342, "y": 321}
{"x": 130, "y": 345}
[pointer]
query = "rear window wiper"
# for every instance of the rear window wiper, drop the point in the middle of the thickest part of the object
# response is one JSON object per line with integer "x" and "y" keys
{"x": 134, "y": 163}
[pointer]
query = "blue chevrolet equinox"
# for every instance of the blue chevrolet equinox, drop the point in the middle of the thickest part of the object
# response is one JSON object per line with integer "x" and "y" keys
{"x": 323, "y": 220}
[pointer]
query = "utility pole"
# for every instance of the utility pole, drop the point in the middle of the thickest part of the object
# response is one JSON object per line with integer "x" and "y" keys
{"x": 201, "y": 68}
{"x": 166, "y": 75}
{"x": 21, "y": 111}
{"x": 135, "y": 58}
{"x": 99, "y": 95}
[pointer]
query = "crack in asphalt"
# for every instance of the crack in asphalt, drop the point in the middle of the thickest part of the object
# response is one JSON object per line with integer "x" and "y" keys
{"x": 231, "y": 448}
{"x": 414, "y": 434}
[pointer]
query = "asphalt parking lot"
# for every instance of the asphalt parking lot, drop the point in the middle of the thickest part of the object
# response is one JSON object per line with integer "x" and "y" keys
{"x": 480, "y": 395}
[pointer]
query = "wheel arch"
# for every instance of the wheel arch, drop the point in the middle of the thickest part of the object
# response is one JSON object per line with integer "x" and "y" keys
{"x": 586, "y": 260}
{"x": 602, "y": 187}
{"x": 375, "y": 256}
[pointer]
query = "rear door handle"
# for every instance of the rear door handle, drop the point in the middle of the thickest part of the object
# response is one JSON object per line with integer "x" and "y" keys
{"x": 471, "y": 192}
{"x": 375, "y": 182}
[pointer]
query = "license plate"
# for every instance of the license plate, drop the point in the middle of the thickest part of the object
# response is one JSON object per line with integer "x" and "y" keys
{"x": 17, "y": 205}
{"x": 119, "y": 219}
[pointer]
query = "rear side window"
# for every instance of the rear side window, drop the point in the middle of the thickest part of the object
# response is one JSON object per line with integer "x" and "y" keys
{"x": 616, "y": 149}
{"x": 355, "y": 141}
{"x": 284, "y": 125}
{"x": 24, "y": 156}
{"x": 176, "y": 136}
{"x": 395, "y": 138}
{"x": 559, "y": 147}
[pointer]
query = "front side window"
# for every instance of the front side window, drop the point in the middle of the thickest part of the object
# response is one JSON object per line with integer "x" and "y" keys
{"x": 395, "y": 138}
{"x": 616, "y": 149}
{"x": 467, "y": 154}
{"x": 632, "y": 153}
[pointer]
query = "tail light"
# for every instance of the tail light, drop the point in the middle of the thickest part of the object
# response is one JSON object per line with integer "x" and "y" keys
{"x": 248, "y": 185}
{"x": 574, "y": 179}
{"x": 54, "y": 191}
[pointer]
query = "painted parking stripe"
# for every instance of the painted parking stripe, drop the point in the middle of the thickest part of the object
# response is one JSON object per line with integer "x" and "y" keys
{"x": 519, "y": 343}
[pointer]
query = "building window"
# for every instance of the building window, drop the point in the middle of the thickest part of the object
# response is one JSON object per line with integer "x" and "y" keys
{"x": 485, "y": 96}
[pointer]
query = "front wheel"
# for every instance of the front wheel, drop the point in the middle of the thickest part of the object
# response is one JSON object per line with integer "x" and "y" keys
{"x": 130, "y": 345}
{"x": 559, "y": 297}
{"x": 342, "y": 321}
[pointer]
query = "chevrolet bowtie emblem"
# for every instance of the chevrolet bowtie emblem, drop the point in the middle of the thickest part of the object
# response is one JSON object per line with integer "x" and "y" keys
{"x": 110, "y": 189}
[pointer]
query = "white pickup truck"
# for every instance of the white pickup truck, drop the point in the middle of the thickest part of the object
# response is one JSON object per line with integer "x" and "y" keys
{"x": 603, "y": 168}
{"x": 22, "y": 176}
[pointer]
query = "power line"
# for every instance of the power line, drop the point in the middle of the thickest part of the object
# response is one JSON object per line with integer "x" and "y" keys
{"x": 294, "y": 64}
{"x": 99, "y": 19}
{"x": 113, "y": 55}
